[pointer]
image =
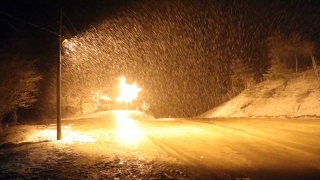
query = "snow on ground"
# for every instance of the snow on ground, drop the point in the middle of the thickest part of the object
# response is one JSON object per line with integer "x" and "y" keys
{"x": 113, "y": 145}
{"x": 300, "y": 98}
{"x": 93, "y": 146}
{"x": 46, "y": 130}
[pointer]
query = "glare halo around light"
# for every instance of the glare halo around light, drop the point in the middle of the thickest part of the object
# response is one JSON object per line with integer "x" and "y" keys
{"x": 128, "y": 92}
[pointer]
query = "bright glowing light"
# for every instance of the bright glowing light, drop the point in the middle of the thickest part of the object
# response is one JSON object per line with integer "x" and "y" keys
{"x": 128, "y": 92}
{"x": 127, "y": 132}
{"x": 64, "y": 42}
{"x": 69, "y": 45}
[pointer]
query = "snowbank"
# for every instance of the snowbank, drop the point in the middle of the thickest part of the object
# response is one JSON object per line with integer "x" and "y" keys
{"x": 300, "y": 98}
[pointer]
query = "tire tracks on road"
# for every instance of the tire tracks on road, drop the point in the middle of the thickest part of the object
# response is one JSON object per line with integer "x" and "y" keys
{"x": 283, "y": 146}
{"x": 205, "y": 169}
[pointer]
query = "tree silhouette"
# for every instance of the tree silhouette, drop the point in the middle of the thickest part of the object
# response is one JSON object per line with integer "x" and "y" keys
{"x": 18, "y": 85}
{"x": 288, "y": 48}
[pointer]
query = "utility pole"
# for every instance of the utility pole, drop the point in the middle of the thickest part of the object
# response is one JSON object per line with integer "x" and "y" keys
{"x": 59, "y": 137}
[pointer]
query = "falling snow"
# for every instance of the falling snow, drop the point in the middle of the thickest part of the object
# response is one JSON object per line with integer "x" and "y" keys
{"x": 181, "y": 53}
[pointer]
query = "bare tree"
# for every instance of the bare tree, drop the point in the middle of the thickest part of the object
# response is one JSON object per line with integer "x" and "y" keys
{"x": 18, "y": 85}
{"x": 289, "y": 47}
{"x": 283, "y": 47}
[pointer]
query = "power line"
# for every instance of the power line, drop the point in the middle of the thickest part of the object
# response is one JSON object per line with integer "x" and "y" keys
{"x": 29, "y": 23}
{"x": 66, "y": 31}
{"x": 71, "y": 23}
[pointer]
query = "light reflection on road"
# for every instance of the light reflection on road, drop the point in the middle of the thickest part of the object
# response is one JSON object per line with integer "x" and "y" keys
{"x": 127, "y": 132}
{"x": 69, "y": 135}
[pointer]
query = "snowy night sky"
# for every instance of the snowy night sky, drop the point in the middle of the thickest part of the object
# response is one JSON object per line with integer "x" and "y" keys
{"x": 181, "y": 53}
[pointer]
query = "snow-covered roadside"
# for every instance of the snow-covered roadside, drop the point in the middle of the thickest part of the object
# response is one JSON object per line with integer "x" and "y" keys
{"x": 51, "y": 161}
{"x": 89, "y": 149}
{"x": 299, "y": 99}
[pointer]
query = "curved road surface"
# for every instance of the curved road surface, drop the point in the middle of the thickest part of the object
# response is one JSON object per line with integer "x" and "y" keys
{"x": 243, "y": 148}
{"x": 220, "y": 148}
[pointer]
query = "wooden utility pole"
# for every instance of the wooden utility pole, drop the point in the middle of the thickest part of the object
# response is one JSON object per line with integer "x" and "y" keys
{"x": 59, "y": 137}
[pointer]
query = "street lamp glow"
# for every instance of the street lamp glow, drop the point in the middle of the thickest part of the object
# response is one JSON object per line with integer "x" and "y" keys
{"x": 128, "y": 92}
